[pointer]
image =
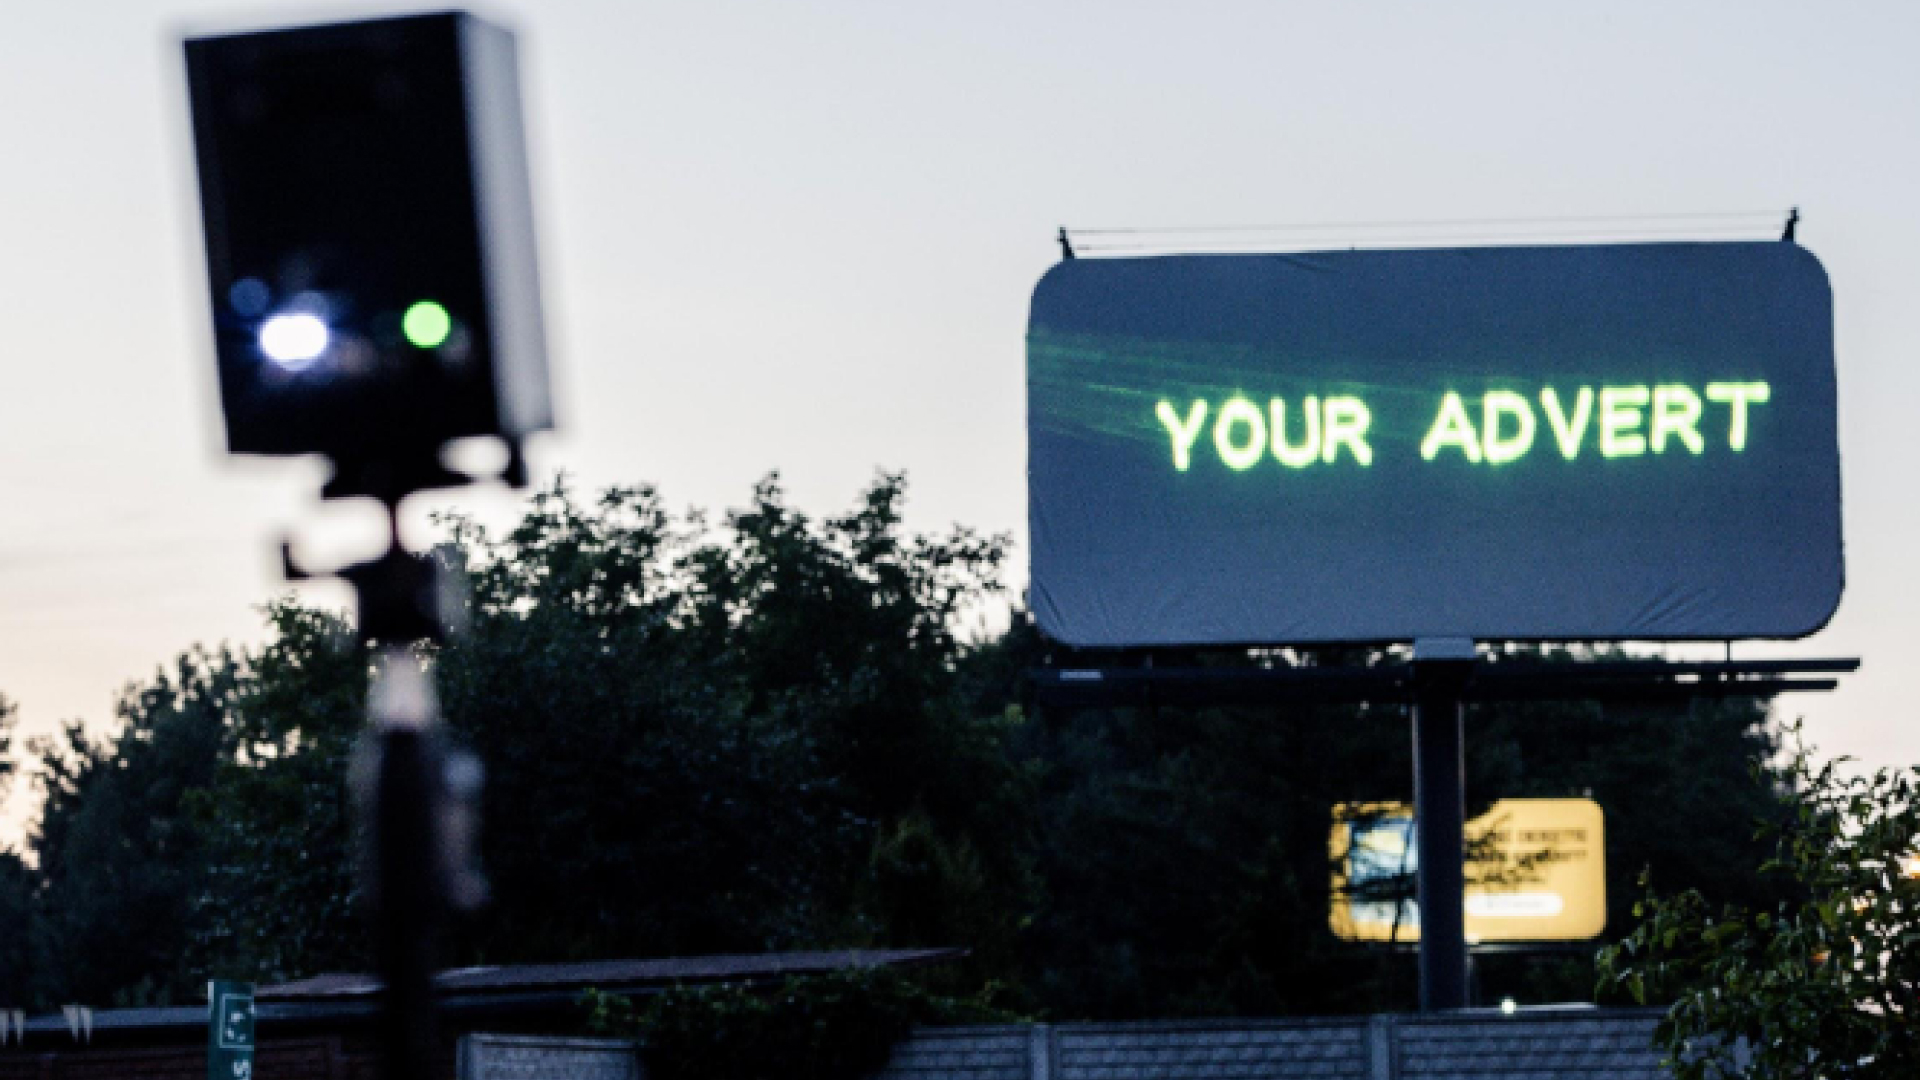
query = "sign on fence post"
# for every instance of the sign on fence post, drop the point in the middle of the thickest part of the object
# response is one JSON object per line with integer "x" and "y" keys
{"x": 229, "y": 1030}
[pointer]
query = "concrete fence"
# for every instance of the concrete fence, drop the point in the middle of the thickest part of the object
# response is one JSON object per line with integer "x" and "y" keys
{"x": 545, "y": 1057}
{"x": 1582, "y": 1045}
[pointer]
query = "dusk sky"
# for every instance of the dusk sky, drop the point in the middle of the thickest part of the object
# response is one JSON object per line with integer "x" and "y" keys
{"x": 801, "y": 236}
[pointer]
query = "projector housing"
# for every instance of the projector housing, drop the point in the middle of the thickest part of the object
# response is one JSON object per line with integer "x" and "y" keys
{"x": 369, "y": 238}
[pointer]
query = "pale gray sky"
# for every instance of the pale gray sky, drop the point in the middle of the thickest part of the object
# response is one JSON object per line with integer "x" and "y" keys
{"x": 801, "y": 235}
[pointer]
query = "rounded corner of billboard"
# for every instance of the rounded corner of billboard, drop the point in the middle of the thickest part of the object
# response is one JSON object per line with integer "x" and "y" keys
{"x": 1825, "y": 619}
{"x": 1047, "y": 621}
{"x": 1822, "y": 616}
{"x": 1809, "y": 263}
{"x": 1052, "y": 275}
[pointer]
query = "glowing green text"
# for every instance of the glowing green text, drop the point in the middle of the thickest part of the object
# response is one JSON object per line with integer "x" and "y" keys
{"x": 1243, "y": 434}
{"x": 1627, "y": 421}
{"x": 1496, "y": 427}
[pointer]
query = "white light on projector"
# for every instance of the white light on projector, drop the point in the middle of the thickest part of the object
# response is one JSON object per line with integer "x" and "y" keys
{"x": 293, "y": 341}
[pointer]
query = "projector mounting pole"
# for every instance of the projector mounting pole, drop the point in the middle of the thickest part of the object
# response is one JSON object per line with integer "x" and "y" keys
{"x": 1441, "y": 667}
{"x": 415, "y": 800}
{"x": 402, "y": 793}
{"x": 337, "y": 334}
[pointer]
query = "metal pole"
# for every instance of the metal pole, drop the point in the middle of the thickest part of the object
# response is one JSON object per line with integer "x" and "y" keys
{"x": 417, "y": 801}
{"x": 405, "y": 784}
{"x": 1439, "y": 810}
{"x": 401, "y": 782}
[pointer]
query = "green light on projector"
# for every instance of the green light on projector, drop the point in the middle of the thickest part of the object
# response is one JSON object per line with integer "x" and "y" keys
{"x": 426, "y": 325}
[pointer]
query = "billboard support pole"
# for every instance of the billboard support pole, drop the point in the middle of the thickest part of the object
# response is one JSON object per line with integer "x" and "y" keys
{"x": 1440, "y": 670}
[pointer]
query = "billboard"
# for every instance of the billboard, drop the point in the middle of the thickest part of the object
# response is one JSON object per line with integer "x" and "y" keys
{"x": 1536, "y": 871}
{"x": 1629, "y": 441}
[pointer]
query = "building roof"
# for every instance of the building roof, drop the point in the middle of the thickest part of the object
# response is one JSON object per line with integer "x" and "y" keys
{"x": 513, "y": 988}
{"x": 618, "y": 975}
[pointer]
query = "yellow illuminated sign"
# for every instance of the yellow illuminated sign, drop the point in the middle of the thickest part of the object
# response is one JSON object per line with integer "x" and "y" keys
{"x": 1536, "y": 871}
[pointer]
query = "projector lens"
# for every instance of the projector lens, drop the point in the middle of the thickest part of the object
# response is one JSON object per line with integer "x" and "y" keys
{"x": 426, "y": 325}
{"x": 293, "y": 341}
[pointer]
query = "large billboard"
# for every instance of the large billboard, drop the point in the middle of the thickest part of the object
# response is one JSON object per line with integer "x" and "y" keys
{"x": 1549, "y": 443}
{"x": 1536, "y": 871}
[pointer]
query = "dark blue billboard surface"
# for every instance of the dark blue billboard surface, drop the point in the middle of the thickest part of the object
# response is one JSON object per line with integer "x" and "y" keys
{"x": 1608, "y": 442}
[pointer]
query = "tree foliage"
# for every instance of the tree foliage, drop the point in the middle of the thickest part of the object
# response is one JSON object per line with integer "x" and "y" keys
{"x": 720, "y": 739}
{"x": 728, "y": 738}
{"x": 279, "y": 895}
{"x": 122, "y": 858}
{"x": 9, "y": 717}
{"x": 765, "y": 732}
{"x": 1184, "y": 851}
{"x": 1825, "y": 981}
{"x": 17, "y": 881}
{"x": 816, "y": 1027}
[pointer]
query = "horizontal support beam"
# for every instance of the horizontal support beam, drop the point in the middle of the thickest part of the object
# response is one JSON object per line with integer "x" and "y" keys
{"x": 1621, "y": 680}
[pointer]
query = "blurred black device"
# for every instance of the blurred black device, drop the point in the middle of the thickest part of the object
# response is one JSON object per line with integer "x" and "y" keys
{"x": 370, "y": 243}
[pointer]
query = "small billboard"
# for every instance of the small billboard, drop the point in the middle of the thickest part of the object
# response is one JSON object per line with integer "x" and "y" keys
{"x": 1606, "y": 442}
{"x": 1536, "y": 871}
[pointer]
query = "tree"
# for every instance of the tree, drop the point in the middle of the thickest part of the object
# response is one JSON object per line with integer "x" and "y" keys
{"x": 1824, "y": 982}
{"x": 118, "y": 850}
{"x": 743, "y": 738}
{"x": 766, "y": 732}
{"x": 207, "y": 834}
{"x": 17, "y": 883}
{"x": 701, "y": 739}
{"x": 9, "y": 716}
{"x": 1650, "y": 765}
{"x": 280, "y": 895}
{"x": 636, "y": 804}
{"x": 1183, "y": 851}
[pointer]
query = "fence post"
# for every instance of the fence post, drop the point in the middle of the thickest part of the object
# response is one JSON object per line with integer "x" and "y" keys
{"x": 1040, "y": 1052}
{"x": 1381, "y": 1036}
